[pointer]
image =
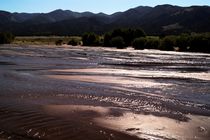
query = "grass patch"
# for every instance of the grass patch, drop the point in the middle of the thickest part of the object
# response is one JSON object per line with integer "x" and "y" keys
{"x": 44, "y": 40}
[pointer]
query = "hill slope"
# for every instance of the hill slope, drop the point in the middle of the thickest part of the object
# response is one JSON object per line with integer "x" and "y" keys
{"x": 162, "y": 19}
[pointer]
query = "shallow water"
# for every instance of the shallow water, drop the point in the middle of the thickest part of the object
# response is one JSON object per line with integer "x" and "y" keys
{"x": 172, "y": 85}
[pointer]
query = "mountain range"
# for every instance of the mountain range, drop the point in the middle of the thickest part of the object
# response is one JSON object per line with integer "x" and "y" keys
{"x": 158, "y": 20}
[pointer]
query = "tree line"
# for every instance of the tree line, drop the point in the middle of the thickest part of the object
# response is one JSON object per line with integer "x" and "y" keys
{"x": 136, "y": 38}
{"x": 120, "y": 38}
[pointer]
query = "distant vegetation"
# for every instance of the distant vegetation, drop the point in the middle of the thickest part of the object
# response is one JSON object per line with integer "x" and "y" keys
{"x": 48, "y": 40}
{"x": 6, "y": 38}
{"x": 122, "y": 38}
{"x": 168, "y": 43}
{"x": 118, "y": 42}
{"x": 186, "y": 42}
{"x": 90, "y": 39}
{"x": 127, "y": 36}
{"x": 74, "y": 42}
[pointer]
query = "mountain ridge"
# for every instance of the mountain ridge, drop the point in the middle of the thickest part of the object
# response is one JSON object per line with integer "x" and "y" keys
{"x": 161, "y": 19}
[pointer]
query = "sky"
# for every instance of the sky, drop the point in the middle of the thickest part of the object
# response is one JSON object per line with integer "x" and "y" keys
{"x": 95, "y": 6}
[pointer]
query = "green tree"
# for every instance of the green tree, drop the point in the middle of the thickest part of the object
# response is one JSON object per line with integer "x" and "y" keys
{"x": 118, "y": 42}
{"x": 128, "y": 36}
{"x": 117, "y": 32}
{"x": 168, "y": 43}
{"x": 152, "y": 43}
{"x": 107, "y": 39}
{"x": 90, "y": 39}
{"x": 138, "y": 33}
{"x": 139, "y": 43}
{"x": 200, "y": 43}
{"x": 183, "y": 42}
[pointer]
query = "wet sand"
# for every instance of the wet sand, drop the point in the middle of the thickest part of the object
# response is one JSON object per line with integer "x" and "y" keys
{"x": 141, "y": 125}
{"x": 51, "y": 92}
{"x": 28, "y": 121}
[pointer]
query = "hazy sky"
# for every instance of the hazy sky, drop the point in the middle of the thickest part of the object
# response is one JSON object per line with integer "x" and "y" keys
{"x": 106, "y": 6}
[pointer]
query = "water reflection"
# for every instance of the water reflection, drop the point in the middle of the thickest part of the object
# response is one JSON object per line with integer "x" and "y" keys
{"x": 152, "y": 127}
{"x": 141, "y": 125}
{"x": 162, "y": 94}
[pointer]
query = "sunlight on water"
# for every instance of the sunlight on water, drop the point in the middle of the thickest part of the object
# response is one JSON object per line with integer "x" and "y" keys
{"x": 151, "y": 127}
{"x": 111, "y": 80}
{"x": 139, "y": 73}
{"x": 147, "y": 93}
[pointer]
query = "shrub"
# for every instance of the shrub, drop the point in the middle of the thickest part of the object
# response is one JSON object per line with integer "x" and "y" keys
{"x": 117, "y": 32}
{"x": 59, "y": 42}
{"x": 168, "y": 43}
{"x": 73, "y": 42}
{"x": 139, "y": 43}
{"x": 183, "y": 42}
{"x": 118, "y": 42}
{"x": 6, "y": 38}
{"x": 152, "y": 43}
{"x": 200, "y": 43}
{"x": 107, "y": 39}
{"x": 90, "y": 39}
{"x": 138, "y": 33}
{"x": 100, "y": 41}
{"x": 127, "y": 34}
